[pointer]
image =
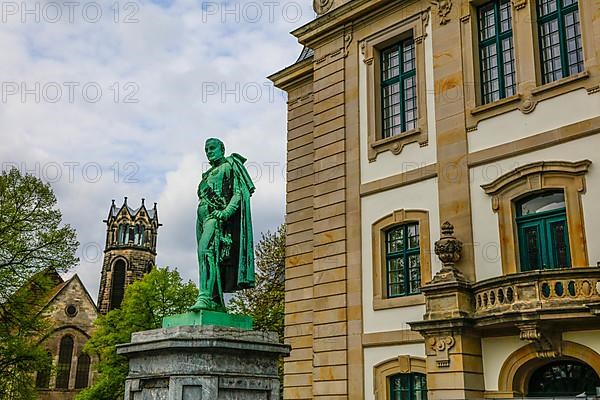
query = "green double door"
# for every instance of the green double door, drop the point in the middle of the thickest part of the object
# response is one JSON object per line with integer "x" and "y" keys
{"x": 544, "y": 240}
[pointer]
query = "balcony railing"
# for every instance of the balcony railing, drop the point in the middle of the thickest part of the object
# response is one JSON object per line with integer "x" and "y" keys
{"x": 553, "y": 290}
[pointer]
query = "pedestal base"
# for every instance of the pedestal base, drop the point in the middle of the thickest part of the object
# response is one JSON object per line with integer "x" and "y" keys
{"x": 204, "y": 317}
{"x": 203, "y": 362}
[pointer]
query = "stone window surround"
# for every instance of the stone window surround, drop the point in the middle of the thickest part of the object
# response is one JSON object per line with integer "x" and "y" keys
{"x": 400, "y": 365}
{"x": 371, "y": 46}
{"x": 379, "y": 227}
{"x": 531, "y": 178}
{"x": 530, "y": 90}
{"x": 519, "y": 365}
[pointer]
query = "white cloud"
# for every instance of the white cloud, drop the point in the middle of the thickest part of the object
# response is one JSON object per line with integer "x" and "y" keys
{"x": 173, "y": 55}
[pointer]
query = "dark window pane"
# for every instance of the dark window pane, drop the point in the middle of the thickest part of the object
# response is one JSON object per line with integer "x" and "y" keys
{"x": 63, "y": 370}
{"x": 42, "y": 379}
{"x": 532, "y": 248}
{"x": 565, "y": 379}
{"x": 117, "y": 284}
{"x": 83, "y": 372}
{"x": 408, "y": 386}
{"x": 560, "y": 244}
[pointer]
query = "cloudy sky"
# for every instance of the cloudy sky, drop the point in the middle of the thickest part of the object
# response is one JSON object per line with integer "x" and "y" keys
{"x": 111, "y": 99}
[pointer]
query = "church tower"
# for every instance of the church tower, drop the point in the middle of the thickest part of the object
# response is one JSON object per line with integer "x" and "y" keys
{"x": 130, "y": 251}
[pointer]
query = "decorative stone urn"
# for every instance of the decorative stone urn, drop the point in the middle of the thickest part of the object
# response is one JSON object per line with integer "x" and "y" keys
{"x": 449, "y": 250}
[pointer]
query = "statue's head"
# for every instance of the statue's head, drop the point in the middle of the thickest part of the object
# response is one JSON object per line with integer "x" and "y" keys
{"x": 215, "y": 149}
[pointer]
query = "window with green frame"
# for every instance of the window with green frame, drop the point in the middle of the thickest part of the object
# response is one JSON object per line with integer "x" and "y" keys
{"x": 408, "y": 387}
{"x": 496, "y": 52}
{"x": 403, "y": 260}
{"x": 561, "y": 51}
{"x": 399, "y": 88}
{"x": 543, "y": 232}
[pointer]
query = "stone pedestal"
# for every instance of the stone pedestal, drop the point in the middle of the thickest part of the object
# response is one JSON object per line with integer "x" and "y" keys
{"x": 202, "y": 362}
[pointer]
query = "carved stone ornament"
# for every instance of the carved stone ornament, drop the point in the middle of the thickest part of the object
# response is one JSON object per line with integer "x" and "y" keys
{"x": 519, "y": 4}
{"x": 322, "y": 6}
{"x": 444, "y": 9}
{"x": 449, "y": 250}
{"x": 347, "y": 43}
{"x": 442, "y": 346}
{"x": 546, "y": 344}
{"x": 528, "y": 104}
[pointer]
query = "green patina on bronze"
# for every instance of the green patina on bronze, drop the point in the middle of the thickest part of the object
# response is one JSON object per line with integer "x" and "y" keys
{"x": 205, "y": 317}
{"x": 224, "y": 237}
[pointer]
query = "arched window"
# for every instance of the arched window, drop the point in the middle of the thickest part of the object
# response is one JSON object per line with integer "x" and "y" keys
{"x": 548, "y": 178}
{"x": 117, "y": 284}
{"x": 130, "y": 233}
{"x": 562, "y": 379}
{"x": 139, "y": 235}
{"x": 83, "y": 372}
{"x": 123, "y": 233}
{"x": 149, "y": 266}
{"x": 63, "y": 370}
{"x": 408, "y": 387}
{"x": 543, "y": 232}
{"x": 42, "y": 379}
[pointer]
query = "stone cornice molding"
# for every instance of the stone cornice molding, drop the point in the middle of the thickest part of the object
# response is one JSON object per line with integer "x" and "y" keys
{"x": 562, "y": 167}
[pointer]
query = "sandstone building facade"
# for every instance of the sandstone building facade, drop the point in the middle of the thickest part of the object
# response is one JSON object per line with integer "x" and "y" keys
{"x": 130, "y": 252}
{"x": 442, "y": 196}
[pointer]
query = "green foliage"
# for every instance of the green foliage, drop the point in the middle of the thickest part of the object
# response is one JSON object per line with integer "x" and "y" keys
{"x": 34, "y": 247}
{"x": 146, "y": 302}
{"x": 265, "y": 302}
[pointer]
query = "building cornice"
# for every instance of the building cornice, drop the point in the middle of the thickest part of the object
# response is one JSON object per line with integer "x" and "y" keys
{"x": 293, "y": 75}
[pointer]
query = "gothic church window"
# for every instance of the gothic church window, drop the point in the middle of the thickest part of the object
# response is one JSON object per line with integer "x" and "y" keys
{"x": 63, "y": 370}
{"x": 118, "y": 284}
{"x": 83, "y": 372}
{"x": 42, "y": 380}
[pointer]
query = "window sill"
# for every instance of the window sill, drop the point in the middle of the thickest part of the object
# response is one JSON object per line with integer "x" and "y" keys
{"x": 496, "y": 104}
{"x": 526, "y": 102}
{"x": 396, "y": 143}
{"x": 561, "y": 82}
{"x": 397, "y": 302}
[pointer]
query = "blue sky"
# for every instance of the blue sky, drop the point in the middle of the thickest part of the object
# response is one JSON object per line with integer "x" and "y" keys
{"x": 113, "y": 99}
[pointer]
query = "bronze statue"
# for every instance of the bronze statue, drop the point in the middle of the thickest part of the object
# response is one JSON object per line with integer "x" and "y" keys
{"x": 223, "y": 228}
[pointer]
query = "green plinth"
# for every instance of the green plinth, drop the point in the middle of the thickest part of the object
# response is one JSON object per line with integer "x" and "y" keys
{"x": 204, "y": 318}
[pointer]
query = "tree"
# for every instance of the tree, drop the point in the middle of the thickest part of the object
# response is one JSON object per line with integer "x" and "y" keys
{"x": 265, "y": 302}
{"x": 160, "y": 293}
{"x": 34, "y": 246}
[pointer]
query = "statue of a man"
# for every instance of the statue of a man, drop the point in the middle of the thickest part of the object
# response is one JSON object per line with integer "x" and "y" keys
{"x": 223, "y": 228}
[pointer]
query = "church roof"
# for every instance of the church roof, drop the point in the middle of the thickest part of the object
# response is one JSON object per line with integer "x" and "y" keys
{"x": 152, "y": 213}
{"x": 55, "y": 292}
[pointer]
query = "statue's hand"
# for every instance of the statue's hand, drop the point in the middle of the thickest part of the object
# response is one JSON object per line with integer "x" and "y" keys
{"x": 218, "y": 214}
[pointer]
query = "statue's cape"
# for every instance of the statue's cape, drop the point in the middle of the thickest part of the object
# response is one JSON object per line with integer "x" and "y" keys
{"x": 243, "y": 245}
